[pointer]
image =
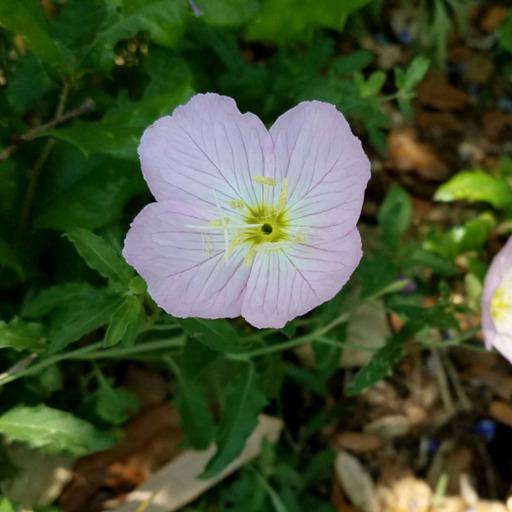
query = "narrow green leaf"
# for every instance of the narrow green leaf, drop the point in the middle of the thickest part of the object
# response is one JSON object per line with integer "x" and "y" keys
{"x": 382, "y": 362}
{"x": 476, "y": 186}
{"x": 218, "y": 334}
{"x": 26, "y": 17}
{"x": 127, "y": 313}
{"x": 21, "y": 335}
{"x": 100, "y": 256}
{"x": 244, "y": 401}
{"x": 196, "y": 419}
{"x": 7, "y": 505}
{"x": 227, "y": 13}
{"x": 53, "y": 430}
{"x": 505, "y": 33}
{"x": 415, "y": 72}
{"x": 395, "y": 216}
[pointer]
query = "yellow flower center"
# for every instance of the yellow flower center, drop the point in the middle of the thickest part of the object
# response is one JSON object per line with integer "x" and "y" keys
{"x": 501, "y": 304}
{"x": 262, "y": 226}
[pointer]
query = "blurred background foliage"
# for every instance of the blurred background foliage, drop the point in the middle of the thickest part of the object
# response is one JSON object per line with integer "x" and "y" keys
{"x": 79, "y": 82}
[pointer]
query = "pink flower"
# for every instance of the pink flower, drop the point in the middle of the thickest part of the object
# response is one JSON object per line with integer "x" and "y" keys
{"x": 248, "y": 221}
{"x": 497, "y": 303}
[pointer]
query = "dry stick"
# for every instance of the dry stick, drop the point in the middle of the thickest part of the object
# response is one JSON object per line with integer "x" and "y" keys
{"x": 464, "y": 401}
{"x": 442, "y": 381}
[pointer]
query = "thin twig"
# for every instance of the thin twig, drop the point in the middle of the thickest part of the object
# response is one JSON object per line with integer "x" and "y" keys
{"x": 85, "y": 107}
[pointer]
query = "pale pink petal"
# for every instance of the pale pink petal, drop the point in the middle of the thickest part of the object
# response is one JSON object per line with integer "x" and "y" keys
{"x": 326, "y": 167}
{"x": 184, "y": 267}
{"x": 207, "y": 145}
{"x": 500, "y": 268}
{"x": 287, "y": 283}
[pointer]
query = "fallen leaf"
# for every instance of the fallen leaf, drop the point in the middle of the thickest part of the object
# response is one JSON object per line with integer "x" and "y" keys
{"x": 501, "y": 411}
{"x": 493, "y": 18}
{"x": 359, "y": 442}
{"x": 436, "y": 92}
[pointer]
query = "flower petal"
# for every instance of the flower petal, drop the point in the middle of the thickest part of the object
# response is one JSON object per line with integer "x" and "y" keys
{"x": 499, "y": 271}
{"x": 287, "y": 283}
{"x": 326, "y": 167}
{"x": 206, "y": 145}
{"x": 184, "y": 267}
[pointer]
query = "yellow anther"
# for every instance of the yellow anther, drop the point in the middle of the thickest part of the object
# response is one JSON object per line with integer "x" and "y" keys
{"x": 236, "y": 203}
{"x": 249, "y": 257}
{"x": 499, "y": 304}
{"x": 218, "y": 222}
{"x": 283, "y": 196}
{"x": 263, "y": 180}
{"x": 238, "y": 240}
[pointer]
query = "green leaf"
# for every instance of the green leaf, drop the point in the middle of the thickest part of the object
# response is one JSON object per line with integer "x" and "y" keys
{"x": 395, "y": 216}
{"x": 476, "y": 186}
{"x": 53, "y": 297}
{"x": 7, "y": 505}
{"x": 196, "y": 419}
{"x": 302, "y": 17}
{"x": 243, "y": 402}
{"x": 100, "y": 256}
{"x": 127, "y": 313}
{"x": 438, "y": 264}
{"x": 217, "y": 334}
{"x": 352, "y": 63}
{"x": 81, "y": 317}
{"x": 505, "y": 33}
{"x": 382, "y": 362}
{"x": 373, "y": 85}
{"x": 20, "y": 335}
{"x": 415, "y": 72}
{"x": 114, "y": 405}
{"x": 227, "y": 13}
{"x": 119, "y": 131}
{"x": 53, "y": 430}
{"x": 26, "y": 17}
{"x": 86, "y": 192}
{"x": 9, "y": 259}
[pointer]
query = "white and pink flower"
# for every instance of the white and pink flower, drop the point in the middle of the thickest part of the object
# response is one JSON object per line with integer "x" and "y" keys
{"x": 248, "y": 221}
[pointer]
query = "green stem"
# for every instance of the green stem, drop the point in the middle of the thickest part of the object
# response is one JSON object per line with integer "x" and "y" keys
{"x": 91, "y": 353}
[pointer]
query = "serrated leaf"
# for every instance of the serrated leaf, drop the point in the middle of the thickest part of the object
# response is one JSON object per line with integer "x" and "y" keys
{"x": 20, "y": 335}
{"x": 127, "y": 313}
{"x": 53, "y": 430}
{"x": 119, "y": 131}
{"x": 217, "y": 334}
{"x": 114, "y": 404}
{"x": 100, "y": 256}
{"x": 476, "y": 186}
{"x": 243, "y": 402}
{"x": 382, "y": 362}
{"x": 80, "y": 318}
{"x": 26, "y": 17}
{"x": 395, "y": 215}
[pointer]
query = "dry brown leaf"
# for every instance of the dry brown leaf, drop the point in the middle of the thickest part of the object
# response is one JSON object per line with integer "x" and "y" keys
{"x": 359, "y": 442}
{"x": 389, "y": 427}
{"x": 493, "y": 18}
{"x": 494, "y": 123}
{"x": 177, "y": 483}
{"x": 406, "y": 495}
{"x": 436, "y": 92}
{"x": 501, "y": 411}
{"x": 407, "y": 154}
{"x": 150, "y": 439}
{"x": 356, "y": 482}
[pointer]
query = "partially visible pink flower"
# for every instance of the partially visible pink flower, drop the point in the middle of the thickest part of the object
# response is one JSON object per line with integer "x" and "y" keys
{"x": 497, "y": 303}
{"x": 248, "y": 221}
